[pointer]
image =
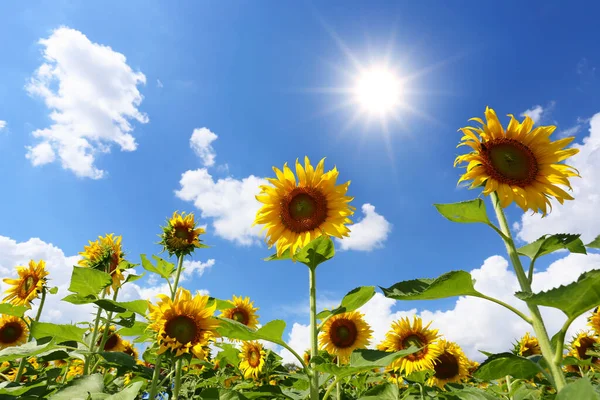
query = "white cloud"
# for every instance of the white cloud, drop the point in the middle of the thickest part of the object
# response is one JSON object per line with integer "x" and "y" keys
{"x": 367, "y": 234}
{"x": 200, "y": 142}
{"x": 230, "y": 202}
{"x": 195, "y": 269}
{"x": 475, "y": 324}
{"x": 92, "y": 96}
{"x": 535, "y": 113}
{"x": 159, "y": 84}
{"x": 582, "y": 214}
{"x": 2, "y": 124}
{"x": 572, "y": 131}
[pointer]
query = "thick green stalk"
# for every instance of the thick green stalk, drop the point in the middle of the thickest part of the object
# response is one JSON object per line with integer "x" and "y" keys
{"x": 177, "y": 275}
{"x": 155, "y": 376}
{"x": 37, "y": 318}
{"x": 536, "y": 317}
{"x": 177, "y": 387}
{"x": 338, "y": 386}
{"x": 104, "y": 338}
{"x": 314, "y": 378}
{"x": 330, "y": 389}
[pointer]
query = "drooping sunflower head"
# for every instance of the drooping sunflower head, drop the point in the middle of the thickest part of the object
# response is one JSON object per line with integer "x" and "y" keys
{"x": 183, "y": 325}
{"x": 181, "y": 236}
{"x": 28, "y": 286}
{"x": 403, "y": 335}
{"x": 252, "y": 358}
{"x": 129, "y": 349}
{"x": 594, "y": 321}
{"x": 243, "y": 311}
{"x": 105, "y": 254}
{"x": 294, "y": 212}
{"x": 13, "y": 331}
{"x": 343, "y": 333}
{"x": 519, "y": 163}
{"x": 582, "y": 343}
{"x": 452, "y": 365}
{"x": 527, "y": 346}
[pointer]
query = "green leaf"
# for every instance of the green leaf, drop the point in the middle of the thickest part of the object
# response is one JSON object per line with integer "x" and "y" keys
{"x": 129, "y": 393}
{"x": 355, "y": 299}
{"x": 573, "y": 299}
{"x": 221, "y": 304}
{"x": 118, "y": 358}
{"x": 364, "y": 360}
{"x": 228, "y": 355}
{"x": 581, "y": 389}
{"x": 221, "y": 394}
{"x": 471, "y": 393}
{"x": 137, "y": 329}
{"x": 27, "y": 350}
{"x": 284, "y": 256}
{"x": 88, "y": 281}
{"x": 17, "y": 391}
{"x": 78, "y": 299}
{"x": 265, "y": 392}
{"x": 137, "y": 306}
{"x": 55, "y": 355}
{"x": 386, "y": 391}
{"x": 272, "y": 331}
{"x": 162, "y": 268}
{"x": 60, "y": 333}
{"x": 550, "y": 243}
{"x": 594, "y": 244}
{"x": 465, "y": 212}
{"x": 53, "y": 290}
{"x": 133, "y": 278}
{"x": 80, "y": 388}
{"x": 450, "y": 284}
{"x": 316, "y": 252}
{"x": 502, "y": 364}
{"x": 9, "y": 309}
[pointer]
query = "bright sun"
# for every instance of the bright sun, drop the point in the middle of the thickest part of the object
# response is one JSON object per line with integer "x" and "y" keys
{"x": 378, "y": 90}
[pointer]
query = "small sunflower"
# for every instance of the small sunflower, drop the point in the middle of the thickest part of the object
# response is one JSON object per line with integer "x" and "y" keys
{"x": 183, "y": 325}
{"x": 594, "y": 321}
{"x": 404, "y": 335}
{"x": 105, "y": 254}
{"x": 527, "y": 346}
{"x": 181, "y": 236}
{"x": 114, "y": 341}
{"x": 296, "y": 212}
{"x": 519, "y": 164}
{"x": 28, "y": 286}
{"x": 343, "y": 333}
{"x": 129, "y": 349}
{"x": 395, "y": 377}
{"x": 306, "y": 356}
{"x": 452, "y": 365}
{"x": 252, "y": 358}
{"x": 582, "y": 343}
{"x": 243, "y": 311}
{"x": 75, "y": 369}
{"x": 13, "y": 331}
{"x": 60, "y": 363}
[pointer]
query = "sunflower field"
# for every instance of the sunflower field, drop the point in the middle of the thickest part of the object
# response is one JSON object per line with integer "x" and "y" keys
{"x": 185, "y": 345}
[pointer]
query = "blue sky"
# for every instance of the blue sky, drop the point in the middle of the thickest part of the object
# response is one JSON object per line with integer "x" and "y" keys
{"x": 248, "y": 71}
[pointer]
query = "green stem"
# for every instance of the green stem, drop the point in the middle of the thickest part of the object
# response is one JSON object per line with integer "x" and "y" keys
{"x": 177, "y": 275}
{"x": 88, "y": 358}
{"x": 177, "y": 387}
{"x": 530, "y": 274}
{"x": 507, "y": 306}
{"x": 288, "y": 348}
{"x": 508, "y": 387}
{"x": 155, "y": 376}
{"x": 330, "y": 389}
{"x": 37, "y": 318}
{"x": 536, "y": 317}
{"x": 338, "y": 386}
{"x": 560, "y": 342}
{"x": 104, "y": 338}
{"x": 314, "y": 377}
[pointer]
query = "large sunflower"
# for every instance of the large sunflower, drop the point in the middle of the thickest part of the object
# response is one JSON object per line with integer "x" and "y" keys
{"x": 243, "y": 311}
{"x": 183, "y": 325}
{"x": 582, "y": 343}
{"x": 520, "y": 164}
{"x": 114, "y": 341}
{"x": 343, "y": 333}
{"x": 13, "y": 331}
{"x": 252, "y": 359}
{"x": 296, "y": 212}
{"x": 28, "y": 285}
{"x": 404, "y": 335}
{"x": 594, "y": 321}
{"x": 181, "y": 236}
{"x": 105, "y": 254}
{"x": 527, "y": 346}
{"x": 452, "y": 365}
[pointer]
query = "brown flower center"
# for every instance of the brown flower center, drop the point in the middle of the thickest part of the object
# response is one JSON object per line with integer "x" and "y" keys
{"x": 28, "y": 285}
{"x": 303, "y": 209}
{"x": 182, "y": 232}
{"x": 343, "y": 333}
{"x": 182, "y": 328}
{"x": 446, "y": 366}
{"x": 111, "y": 342}
{"x": 416, "y": 340}
{"x": 509, "y": 161}
{"x": 254, "y": 358}
{"x": 240, "y": 316}
{"x": 586, "y": 344}
{"x": 11, "y": 333}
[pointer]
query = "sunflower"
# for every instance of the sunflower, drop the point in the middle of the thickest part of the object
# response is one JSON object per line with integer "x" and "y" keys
{"x": 28, "y": 285}
{"x": 294, "y": 213}
{"x": 594, "y": 321}
{"x": 473, "y": 365}
{"x": 75, "y": 369}
{"x": 181, "y": 236}
{"x": 404, "y": 335}
{"x": 183, "y": 325}
{"x": 343, "y": 333}
{"x": 395, "y": 377}
{"x": 252, "y": 359}
{"x": 306, "y": 356}
{"x": 582, "y": 343}
{"x": 452, "y": 365}
{"x": 13, "y": 331}
{"x": 527, "y": 346}
{"x": 114, "y": 341}
{"x": 243, "y": 311}
{"x": 105, "y": 254}
{"x": 60, "y": 363}
{"x": 129, "y": 349}
{"x": 519, "y": 164}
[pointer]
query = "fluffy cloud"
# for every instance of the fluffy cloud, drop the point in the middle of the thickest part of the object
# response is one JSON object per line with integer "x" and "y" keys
{"x": 475, "y": 324}
{"x": 582, "y": 214}
{"x": 92, "y": 96}
{"x": 196, "y": 269}
{"x": 2, "y": 124}
{"x": 535, "y": 113}
{"x": 367, "y": 234}
{"x": 229, "y": 202}
{"x": 200, "y": 142}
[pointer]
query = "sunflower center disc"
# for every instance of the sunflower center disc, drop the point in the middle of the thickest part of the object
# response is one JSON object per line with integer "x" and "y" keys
{"x": 181, "y": 233}
{"x": 111, "y": 342}
{"x": 240, "y": 317}
{"x": 585, "y": 345}
{"x": 254, "y": 359}
{"x": 512, "y": 160}
{"x": 181, "y": 328}
{"x": 10, "y": 333}
{"x": 302, "y": 206}
{"x": 29, "y": 283}
{"x": 446, "y": 366}
{"x": 412, "y": 340}
{"x": 343, "y": 333}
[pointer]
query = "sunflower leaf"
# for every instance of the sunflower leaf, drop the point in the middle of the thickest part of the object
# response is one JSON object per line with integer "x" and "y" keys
{"x": 594, "y": 244}
{"x": 118, "y": 358}
{"x": 221, "y": 394}
{"x": 228, "y": 355}
{"x": 60, "y": 333}
{"x": 88, "y": 281}
{"x": 133, "y": 277}
{"x": 464, "y": 212}
{"x": 136, "y": 329}
{"x": 81, "y": 388}
{"x": 550, "y": 243}
{"x": 472, "y": 393}
{"x": 29, "y": 349}
{"x": 573, "y": 299}
{"x": 364, "y": 360}
{"x": 316, "y": 252}
{"x": 450, "y": 284}
{"x": 500, "y": 365}
{"x": 353, "y": 300}
{"x": 386, "y": 391}
{"x": 129, "y": 393}
{"x": 274, "y": 257}
{"x": 13, "y": 392}
{"x": 9, "y": 309}
{"x": 580, "y": 389}
{"x": 272, "y": 331}
{"x": 221, "y": 304}
{"x": 162, "y": 268}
